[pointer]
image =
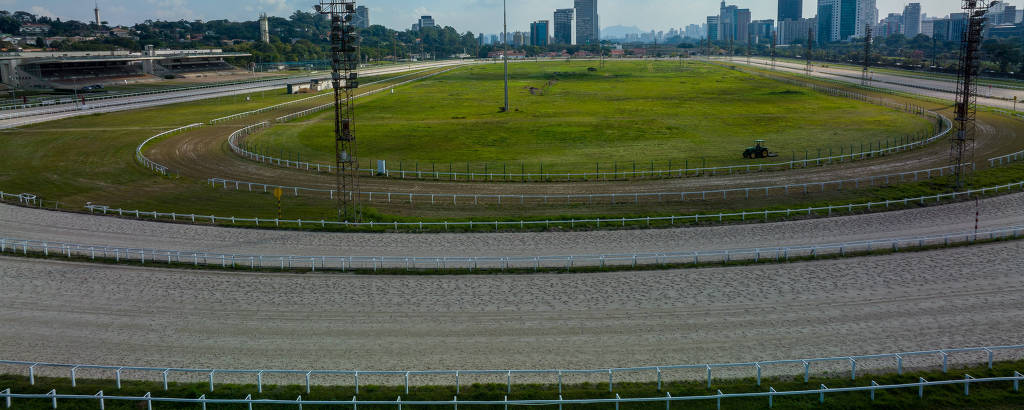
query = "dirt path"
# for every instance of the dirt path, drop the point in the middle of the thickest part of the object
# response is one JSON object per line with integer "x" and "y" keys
{"x": 56, "y": 311}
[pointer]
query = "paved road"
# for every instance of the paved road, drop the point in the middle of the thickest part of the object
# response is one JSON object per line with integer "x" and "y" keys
{"x": 920, "y": 86}
{"x": 17, "y": 118}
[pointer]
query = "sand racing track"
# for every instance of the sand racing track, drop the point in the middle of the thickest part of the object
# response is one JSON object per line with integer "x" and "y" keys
{"x": 107, "y": 314}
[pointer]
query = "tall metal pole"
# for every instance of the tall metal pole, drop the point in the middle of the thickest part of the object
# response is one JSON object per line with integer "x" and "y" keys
{"x": 504, "y": 8}
{"x": 866, "y": 75}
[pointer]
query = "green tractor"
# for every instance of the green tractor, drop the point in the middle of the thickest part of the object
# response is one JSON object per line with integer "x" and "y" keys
{"x": 758, "y": 151}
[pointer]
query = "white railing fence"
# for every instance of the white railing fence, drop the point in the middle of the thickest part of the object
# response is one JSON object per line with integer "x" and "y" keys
{"x": 495, "y": 263}
{"x": 155, "y": 167}
{"x": 241, "y": 148}
{"x": 765, "y": 215}
{"x": 656, "y": 374}
{"x": 52, "y": 396}
{"x": 1006, "y": 159}
{"x": 28, "y": 200}
{"x": 612, "y": 198}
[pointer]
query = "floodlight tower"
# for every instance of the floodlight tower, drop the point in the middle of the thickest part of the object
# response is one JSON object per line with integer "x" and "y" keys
{"x": 962, "y": 145}
{"x": 866, "y": 75}
{"x": 345, "y": 79}
{"x": 773, "y": 50}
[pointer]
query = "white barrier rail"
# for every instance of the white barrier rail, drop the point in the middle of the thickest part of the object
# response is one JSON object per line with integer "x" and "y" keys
{"x": 239, "y": 147}
{"x": 650, "y": 373}
{"x": 1006, "y": 159}
{"x": 612, "y": 198}
{"x": 668, "y": 399}
{"x": 148, "y": 163}
{"x": 496, "y": 263}
{"x": 571, "y": 224}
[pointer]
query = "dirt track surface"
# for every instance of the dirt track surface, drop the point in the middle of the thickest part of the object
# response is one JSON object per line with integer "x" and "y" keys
{"x": 58, "y": 311}
{"x": 23, "y": 223}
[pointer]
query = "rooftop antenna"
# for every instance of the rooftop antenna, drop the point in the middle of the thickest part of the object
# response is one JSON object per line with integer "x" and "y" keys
{"x": 344, "y": 77}
{"x": 962, "y": 145}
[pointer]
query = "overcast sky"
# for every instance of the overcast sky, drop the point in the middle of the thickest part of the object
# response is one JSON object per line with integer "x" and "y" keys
{"x": 474, "y": 15}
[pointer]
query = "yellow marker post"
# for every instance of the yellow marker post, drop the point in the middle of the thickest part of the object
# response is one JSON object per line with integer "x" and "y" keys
{"x": 277, "y": 194}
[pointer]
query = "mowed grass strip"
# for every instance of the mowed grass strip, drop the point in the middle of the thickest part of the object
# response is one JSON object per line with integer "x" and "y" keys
{"x": 570, "y": 118}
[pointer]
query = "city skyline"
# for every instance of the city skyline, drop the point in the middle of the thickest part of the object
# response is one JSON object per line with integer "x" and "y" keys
{"x": 465, "y": 15}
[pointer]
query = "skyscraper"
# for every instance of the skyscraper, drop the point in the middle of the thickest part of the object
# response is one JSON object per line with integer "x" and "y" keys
{"x": 264, "y": 28}
{"x": 563, "y": 25}
{"x": 837, "y": 20}
{"x": 912, "y": 20}
{"x": 539, "y": 33}
{"x": 867, "y": 14}
{"x": 713, "y": 29}
{"x": 362, "y": 17}
{"x": 791, "y": 10}
{"x": 733, "y": 23}
{"x": 588, "y": 27}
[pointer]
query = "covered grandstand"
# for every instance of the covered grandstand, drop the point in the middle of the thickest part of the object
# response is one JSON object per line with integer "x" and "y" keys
{"x": 50, "y": 70}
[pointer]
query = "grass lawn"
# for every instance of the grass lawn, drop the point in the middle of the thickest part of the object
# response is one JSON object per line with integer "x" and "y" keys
{"x": 569, "y": 119}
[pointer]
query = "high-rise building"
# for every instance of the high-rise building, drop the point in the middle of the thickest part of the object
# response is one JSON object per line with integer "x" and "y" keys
{"x": 563, "y": 25}
{"x": 940, "y": 29}
{"x": 837, "y": 20}
{"x": 912, "y": 20}
{"x": 867, "y": 14}
{"x": 539, "y": 31}
{"x": 424, "y": 22}
{"x": 791, "y": 9}
{"x": 713, "y": 28}
{"x": 795, "y": 31}
{"x": 588, "y": 24}
{"x": 519, "y": 39}
{"x": 733, "y": 23}
{"x": 761, "y": 31}
{"x": 264, "y": 28}
{"x": 362, "y": 17}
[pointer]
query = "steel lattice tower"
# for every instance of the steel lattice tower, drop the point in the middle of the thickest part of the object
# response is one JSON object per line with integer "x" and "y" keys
{"x": 865, "y": 78}
{"x": 962, "y": 145}
{"x": 345, "y": 79}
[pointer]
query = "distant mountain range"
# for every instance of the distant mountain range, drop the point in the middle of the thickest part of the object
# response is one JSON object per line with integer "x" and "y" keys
{"x": 618, "y": 31}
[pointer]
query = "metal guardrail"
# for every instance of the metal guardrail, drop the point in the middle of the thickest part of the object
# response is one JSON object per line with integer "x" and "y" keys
{"x": 238, "y": 146}
{"x": 571, "y": 224}
{"x": 668, "y": 399}
{"x": 652, "y": 373}
{"x": 1006, "y": 159}
{"x": 500, "y": 263}
{"x": 148, "y": 163}
{"x": 613, "y": 198}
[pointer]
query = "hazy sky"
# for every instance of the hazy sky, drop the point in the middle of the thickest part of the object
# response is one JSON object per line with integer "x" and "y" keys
{"x": 474, "y": 15}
